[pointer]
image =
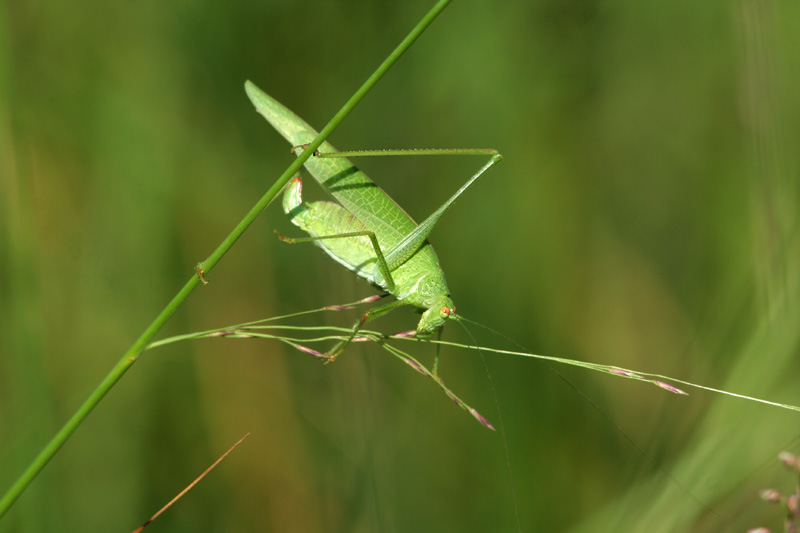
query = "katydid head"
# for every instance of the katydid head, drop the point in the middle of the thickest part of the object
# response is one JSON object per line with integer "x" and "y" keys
{"x": 435, "y": 316}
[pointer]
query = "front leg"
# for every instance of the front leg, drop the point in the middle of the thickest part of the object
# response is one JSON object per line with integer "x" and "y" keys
{"x": 369, "y": 316}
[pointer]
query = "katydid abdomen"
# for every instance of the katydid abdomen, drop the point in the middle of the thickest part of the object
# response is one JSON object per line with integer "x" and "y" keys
{"x": 418, "y": 281}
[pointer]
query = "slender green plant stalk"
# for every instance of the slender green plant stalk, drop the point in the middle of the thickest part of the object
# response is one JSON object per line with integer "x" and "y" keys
{"x": 205, "y": 267}
{"x": 269, "y": 329}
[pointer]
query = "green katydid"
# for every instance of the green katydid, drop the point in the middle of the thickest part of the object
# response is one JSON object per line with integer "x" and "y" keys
{"x": 367, "y": 231}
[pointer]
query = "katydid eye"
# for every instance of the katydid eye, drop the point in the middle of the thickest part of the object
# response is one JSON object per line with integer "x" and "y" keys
{"x": 445, "y": 311}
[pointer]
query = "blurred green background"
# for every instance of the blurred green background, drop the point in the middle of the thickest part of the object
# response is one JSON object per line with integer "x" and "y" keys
{"x": 645, "y": 216}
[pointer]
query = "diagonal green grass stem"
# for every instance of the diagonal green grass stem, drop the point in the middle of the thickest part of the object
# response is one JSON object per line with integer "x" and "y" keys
{"x": 206, "y": 266}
